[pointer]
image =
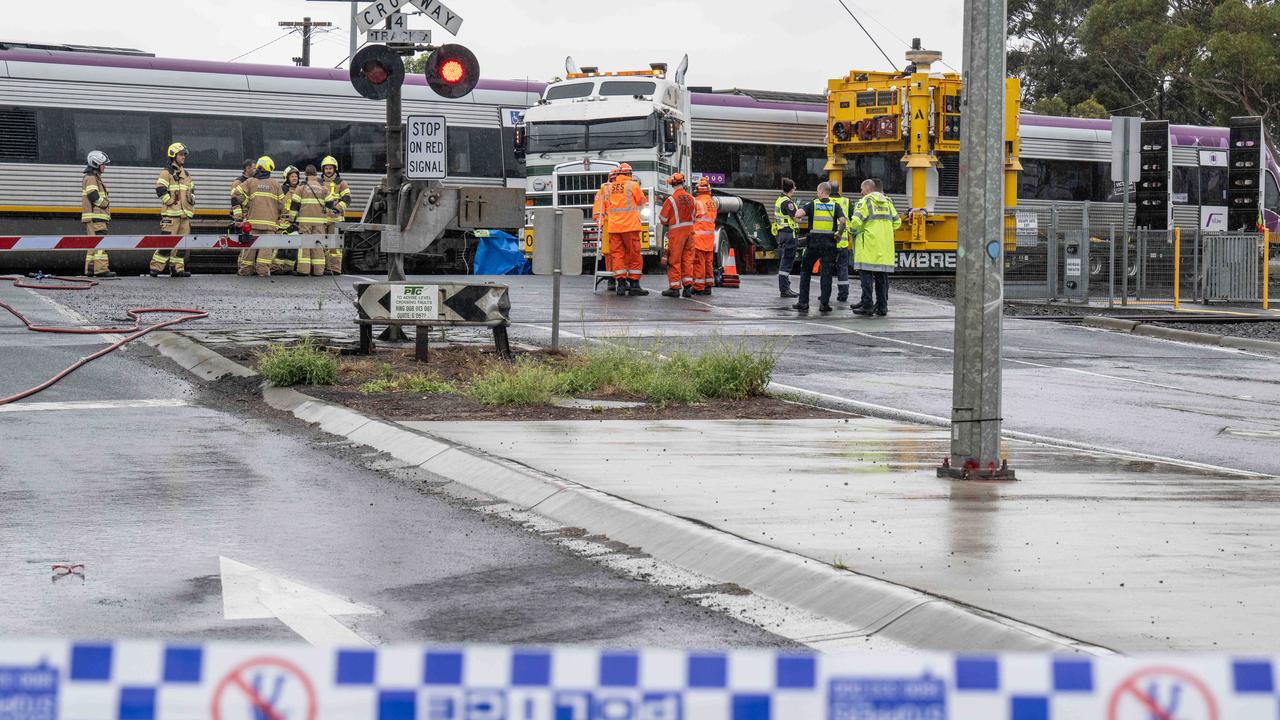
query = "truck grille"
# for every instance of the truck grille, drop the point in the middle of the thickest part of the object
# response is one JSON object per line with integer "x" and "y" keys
{"x": 579, "y": 189}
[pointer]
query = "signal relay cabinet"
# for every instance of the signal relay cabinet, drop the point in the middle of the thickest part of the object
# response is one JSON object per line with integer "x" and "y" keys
{"x": 1075, "y": 266}
{"x": 436, "y": 226}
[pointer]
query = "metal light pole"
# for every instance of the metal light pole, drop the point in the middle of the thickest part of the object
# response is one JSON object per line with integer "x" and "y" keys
{"x": 353, "y": 31}
{"x": 976, "y": 404}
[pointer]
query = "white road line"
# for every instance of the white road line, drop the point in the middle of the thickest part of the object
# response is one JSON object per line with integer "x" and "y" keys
{"x": 91, "y": 405}
{"x": 250, "y": 594}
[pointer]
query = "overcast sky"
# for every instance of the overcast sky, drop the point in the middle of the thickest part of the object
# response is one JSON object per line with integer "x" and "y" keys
{"x": 794, "y": 46}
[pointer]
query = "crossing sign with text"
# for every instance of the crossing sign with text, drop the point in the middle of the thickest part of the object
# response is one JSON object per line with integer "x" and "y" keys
{"x": 379, "y": 12}
{"x": 425, "y": 145}
{"x": 439, "y": 12}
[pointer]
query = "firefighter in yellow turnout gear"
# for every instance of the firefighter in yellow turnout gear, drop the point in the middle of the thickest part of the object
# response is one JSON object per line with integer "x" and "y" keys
{"x": 95, "y": 212}
{"x": 262, "y": 203}
{"x": 177, "y": 206}
{"x": 286, "y": 260}
{"x": 337, "y": 198}
{"x": 306, "y": 207}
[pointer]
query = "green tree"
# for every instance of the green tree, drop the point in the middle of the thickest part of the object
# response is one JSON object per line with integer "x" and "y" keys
{"x": 1089, "y": 108}
{"x": 416, "y": 65}
{"x": 1046, "y": 54}
{"x": 1051, "y": 106}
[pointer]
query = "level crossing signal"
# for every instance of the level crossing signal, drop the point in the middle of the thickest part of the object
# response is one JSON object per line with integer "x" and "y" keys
{"x": 376, "y": 71}
{"x": 452, "y": 71}
{"x": 1155, "y": 176}
{"x": 1244, "y": 172}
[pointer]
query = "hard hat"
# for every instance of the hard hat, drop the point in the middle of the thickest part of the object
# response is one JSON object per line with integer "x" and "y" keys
{"x": 624, "y": 169}
{"x": 677, "y": 179}
{"x": 266, "y": 163}
{"x": 613, "y": 173}
{"x": 98, "y": 159}
{"x": 704, "y": 185}
{"x": 329, "y": 160}
{"x": 291, "y": 170}
{"x": 177, "y": 148}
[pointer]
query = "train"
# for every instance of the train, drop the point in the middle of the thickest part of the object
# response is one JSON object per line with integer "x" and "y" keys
{"x": 59, "y": 102}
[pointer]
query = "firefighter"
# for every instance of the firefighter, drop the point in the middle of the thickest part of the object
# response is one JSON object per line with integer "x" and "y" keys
{"x": 677, "y": 216}
{"x": 262, "y": 202}
{"x": 622, "y": 207}
{"x": 306, "y": 205}
{"x": 844, "y": 248}
{"x": 177, "y": 206}
{"x": 874, "y": 219}
{"x": 337, "y": 198}
{"x": 286, "y": 261}
{"x": 826, "y": 224}
{"x": 784, "y": 229}
{"x": 244, "y": 264}
{"x": 704, "y": 240}
{"x": 95, "y": 212}
{"x": 602, "y": 222}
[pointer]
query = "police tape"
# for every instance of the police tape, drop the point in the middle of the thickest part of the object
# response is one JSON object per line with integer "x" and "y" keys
{"x": 151, "y": 680}
{"x": 43, "y": 243}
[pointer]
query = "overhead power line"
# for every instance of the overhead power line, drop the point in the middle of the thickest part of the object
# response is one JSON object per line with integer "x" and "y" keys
{"x": 261, "y": 46}
{"x": 892, "y": 64}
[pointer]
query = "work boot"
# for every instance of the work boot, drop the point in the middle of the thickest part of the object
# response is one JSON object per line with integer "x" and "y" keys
{"x": 154, "y": 273}
{"x": 803, "y": 309}
{"x": 622, "y": 287}
{"x": 788, "y": 293}
{"x": 613, "y": 285}
{"x": 864, "y": 312}
{"x": 842, "y": 298}
{"x": 105, "y": 274}
{"x": 634, "y": 289}
{"x": 704, "y": 291}
{"x": 671, "y": 293}
{"x": 824, "y": 308}
{"x": 687, "y": 292}
{"x": 179, "y": 273}
{"x": 856, "y": 307}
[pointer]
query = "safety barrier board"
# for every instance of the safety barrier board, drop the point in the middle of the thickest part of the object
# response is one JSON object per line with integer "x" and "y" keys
{"x": 43, "y": 243}
{"x": 144, "y": 680}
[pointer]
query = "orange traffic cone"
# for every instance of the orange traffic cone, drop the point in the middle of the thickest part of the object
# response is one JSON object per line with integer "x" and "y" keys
{"x": 729, "y": 278}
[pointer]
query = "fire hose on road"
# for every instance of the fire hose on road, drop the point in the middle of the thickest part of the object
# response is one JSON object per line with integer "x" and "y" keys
{"x": 133, "y": 333}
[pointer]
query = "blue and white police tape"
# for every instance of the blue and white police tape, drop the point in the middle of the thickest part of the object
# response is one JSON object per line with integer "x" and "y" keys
{"x": 141, "y": 680}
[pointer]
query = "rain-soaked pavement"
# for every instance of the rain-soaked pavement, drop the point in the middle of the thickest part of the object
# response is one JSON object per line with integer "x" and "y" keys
{"x": 146, "y": 481}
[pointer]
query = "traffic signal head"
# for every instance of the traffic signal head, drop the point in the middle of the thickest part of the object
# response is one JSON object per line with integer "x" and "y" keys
{"x": 376, "y": 71}
{"x": 452, "y": 71}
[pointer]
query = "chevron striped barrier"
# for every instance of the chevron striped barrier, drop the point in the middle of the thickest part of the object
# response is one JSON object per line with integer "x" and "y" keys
{"x": 46, "y": 243}
{"x": 148, "y": 680}
{"x": 427, "y": 305}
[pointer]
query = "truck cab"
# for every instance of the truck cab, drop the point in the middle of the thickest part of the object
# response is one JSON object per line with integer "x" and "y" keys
{"x": 589, "y": 123}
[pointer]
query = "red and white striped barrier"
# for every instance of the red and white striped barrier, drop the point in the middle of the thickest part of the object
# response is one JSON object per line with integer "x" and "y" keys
{"x": 44, "y": 243}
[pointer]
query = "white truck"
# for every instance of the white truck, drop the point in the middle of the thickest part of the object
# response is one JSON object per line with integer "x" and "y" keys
{"x": 590, "y": 123}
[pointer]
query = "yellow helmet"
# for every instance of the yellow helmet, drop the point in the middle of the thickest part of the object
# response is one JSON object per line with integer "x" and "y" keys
{"x": 177, "y": 148}
{"x": 266, "y": 164}
{"x": 329, "y": 160}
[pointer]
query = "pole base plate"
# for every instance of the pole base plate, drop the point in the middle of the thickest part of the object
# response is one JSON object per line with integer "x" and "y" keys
{"x": 973, "y": 473}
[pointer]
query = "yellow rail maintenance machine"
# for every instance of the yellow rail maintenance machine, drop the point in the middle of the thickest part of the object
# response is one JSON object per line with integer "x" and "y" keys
{"x": 904, "y": 127}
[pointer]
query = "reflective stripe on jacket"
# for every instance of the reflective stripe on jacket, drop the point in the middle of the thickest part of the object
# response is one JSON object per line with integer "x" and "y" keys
{"x": 823, "y": 221}
{"x": 875, "y": 218}
{"x": 704, "y": 224}
{"x": 263, "y": 203}
{"x": 94, "y": 202}
{"x": 678, "y": 214}
{"x": 176, "y": 192}
{"x": 306, "y": 203}
{"x": 781, "y": 220}
{"x": 622, "y": 205}
{"x": 846, "y": 238}
{"x": 337, "y": 192}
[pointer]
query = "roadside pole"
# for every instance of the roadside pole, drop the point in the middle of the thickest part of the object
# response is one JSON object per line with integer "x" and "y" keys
{"x": 976, "y": 402}
{"x": 395, "y": 174}
{"x": 562, "y": 255}
{"x": 352, "y": 42}
{"x": 556, "y": 271}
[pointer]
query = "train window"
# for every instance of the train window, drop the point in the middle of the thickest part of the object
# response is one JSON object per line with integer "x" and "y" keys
{"x": 754, "y": 166}
{"x": 295, "y": 142}
{"x": 213, "y": 142}
{"x": 475, "y": 152}
{"x": 360, "y": 147}
{"x": 1186, "y": 185}
{"x": 568, "y": 92}
{"x": 1065, "y": 180}
{"x": 1213, "y": 186}
{"x": 125, "y": 138}
{"x": 807, "y": 166}
{"x": 627, "y": 88}
{"x": 885, "y": 166}
{"x": 19, "y": 139}
{"x": 1272, "y": 200}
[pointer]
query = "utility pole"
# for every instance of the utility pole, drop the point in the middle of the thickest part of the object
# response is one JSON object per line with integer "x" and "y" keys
{"x": 305, "y": 25}
{"x": 353, "y": 40}
{"x": 976, "y": 402}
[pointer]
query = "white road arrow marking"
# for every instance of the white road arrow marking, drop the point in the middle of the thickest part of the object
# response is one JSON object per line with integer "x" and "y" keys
{"x": 250, "y": 594}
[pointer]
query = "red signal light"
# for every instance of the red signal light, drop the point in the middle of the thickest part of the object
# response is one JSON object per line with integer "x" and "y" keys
{"x": 375, "y": 72}
{"x": 452, "y": 71}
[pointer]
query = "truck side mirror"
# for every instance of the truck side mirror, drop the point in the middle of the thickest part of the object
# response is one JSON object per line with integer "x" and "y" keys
{"x": 670, "y": 135}
{"x": 520, "y": 142}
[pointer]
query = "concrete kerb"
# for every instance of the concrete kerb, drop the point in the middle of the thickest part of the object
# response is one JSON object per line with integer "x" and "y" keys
{"x": 863, "y": 604}
{"x": 1167, "y": 333}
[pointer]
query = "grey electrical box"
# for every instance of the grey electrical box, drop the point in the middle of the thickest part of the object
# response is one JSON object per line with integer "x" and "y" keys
{"x": 1075, "y": 266}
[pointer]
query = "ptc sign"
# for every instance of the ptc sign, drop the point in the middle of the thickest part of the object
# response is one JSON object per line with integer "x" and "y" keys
{"x": 1162, "y": 693}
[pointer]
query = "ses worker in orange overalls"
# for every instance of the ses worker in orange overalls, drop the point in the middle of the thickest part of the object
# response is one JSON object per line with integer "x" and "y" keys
{"x": 622, "y": 209}
{"x": 704, "y": 240}
{"x": 602, "y": 222}
{"x": 677, "y": 215}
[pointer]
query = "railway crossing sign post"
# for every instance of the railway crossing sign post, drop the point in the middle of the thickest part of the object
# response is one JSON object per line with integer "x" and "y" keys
{"x": 976, "y": 401}
{"x": 557, "y": 258}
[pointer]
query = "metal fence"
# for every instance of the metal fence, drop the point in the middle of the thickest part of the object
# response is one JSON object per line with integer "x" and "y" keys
{"x": 1056, "y": 261}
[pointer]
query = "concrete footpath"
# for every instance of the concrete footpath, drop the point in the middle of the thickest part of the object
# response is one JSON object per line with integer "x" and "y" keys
{"x": 1130, "y": 555}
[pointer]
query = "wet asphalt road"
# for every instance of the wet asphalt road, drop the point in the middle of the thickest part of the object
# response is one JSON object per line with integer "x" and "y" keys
{"x": 1198, "y": 403}
{"x": 155, "y": 478}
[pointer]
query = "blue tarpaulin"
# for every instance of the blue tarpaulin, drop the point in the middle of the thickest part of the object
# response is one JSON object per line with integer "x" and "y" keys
{"x": 499, "y": 253}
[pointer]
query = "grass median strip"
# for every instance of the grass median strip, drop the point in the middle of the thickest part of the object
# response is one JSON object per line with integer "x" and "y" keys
{"x": 306, "y": 363}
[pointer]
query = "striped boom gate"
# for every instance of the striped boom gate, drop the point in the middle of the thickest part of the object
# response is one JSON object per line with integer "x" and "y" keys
{"x": 47, "y": 243}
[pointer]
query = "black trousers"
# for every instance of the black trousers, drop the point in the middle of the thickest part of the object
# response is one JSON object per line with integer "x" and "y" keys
{"x": 821, "y": 249}
{"x": 879, "y": 282}
{"x": 786, "y": 257}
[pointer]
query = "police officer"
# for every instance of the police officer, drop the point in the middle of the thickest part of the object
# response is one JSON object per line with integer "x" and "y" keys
{"x": 784, "y": 229}
{"x": 262, "y": 202}
{"x": 177, "y": 206}
{"x": 337, "y": 198}
{"x": 826, "y": 223}
{"x": 95, "y": 212}
{"x": 844, "y": 248}
{"x": 874, "y": 218}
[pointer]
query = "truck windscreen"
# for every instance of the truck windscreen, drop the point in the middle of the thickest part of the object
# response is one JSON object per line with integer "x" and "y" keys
{"x": 619, "y": 134}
